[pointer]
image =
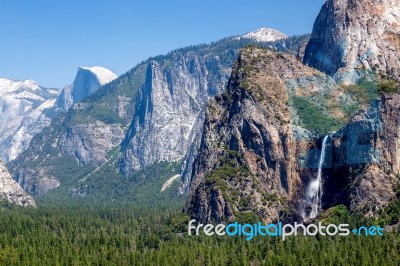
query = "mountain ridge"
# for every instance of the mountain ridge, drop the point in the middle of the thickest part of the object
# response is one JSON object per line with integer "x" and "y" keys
{"x": 75, "y": 135}
{"x": 264, "y": 35}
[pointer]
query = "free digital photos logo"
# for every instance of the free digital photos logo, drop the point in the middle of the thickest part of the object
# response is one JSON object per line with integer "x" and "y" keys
{"x": 280, "y": 230}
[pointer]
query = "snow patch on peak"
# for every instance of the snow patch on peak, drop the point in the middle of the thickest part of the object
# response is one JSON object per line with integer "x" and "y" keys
{"x": 103, "y": 75}
{"x": 264, "y": 35}
{"x": 22, "y": 114}
{"x": 9, "y": 85}
{"x": 30, "y": 84}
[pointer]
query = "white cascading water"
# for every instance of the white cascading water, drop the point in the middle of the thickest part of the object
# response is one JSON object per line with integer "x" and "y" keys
{"x": 314, "y": 191}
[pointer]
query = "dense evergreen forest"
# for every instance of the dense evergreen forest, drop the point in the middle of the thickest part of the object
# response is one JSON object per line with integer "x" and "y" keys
{"x": 126, "y": 234}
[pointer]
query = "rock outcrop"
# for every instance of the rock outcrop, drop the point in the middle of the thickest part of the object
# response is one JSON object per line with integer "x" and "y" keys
{"x": 169, "y": 108}
{"x": 91, "y": 143}
{"x": 350, "y": 36}
{"x": 366, "y": 158}
{"x": 256, "y": 158}
{"x": 85, "y": 139}
{"x": 248, "y": 157}
{"x": 11, "y": 191}
{"x": 349, "y": 39}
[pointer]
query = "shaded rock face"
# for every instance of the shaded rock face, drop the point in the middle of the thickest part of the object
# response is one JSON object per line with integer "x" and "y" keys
{"x": 209, "y": 204}
{"x": 36, "y": 182}
{"x": 91, "y": 143}
{"x": 248, "y": 157}
{"x": 87, "y": 81}
{"x": 65, "y": 100}
{"x": 169, "y": 109}
{"x": 366, "y": 154}
{"x": 11, "y": 191}
{"x": 349, "y": 36}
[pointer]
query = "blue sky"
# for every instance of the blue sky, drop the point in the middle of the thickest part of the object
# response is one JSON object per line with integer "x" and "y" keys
{"x": 47, "y": 40}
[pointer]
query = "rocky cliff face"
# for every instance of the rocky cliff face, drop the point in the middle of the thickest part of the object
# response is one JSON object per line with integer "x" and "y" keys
{"x": 349, "y": 36}
{"x": 256, "y": 157}
{"x": 87, "y": 140}
{"x": 87, "y": 81}
{"x": 57, "y": 155}
{"x": 152, "y": 113}
{"x": 366, "y": 154}
{"x": 24, "y": 111}
{"x": 248, "y": 157}
{"x": 169, "y": 107}
{"x": 11, "y": 191}
{"x": 90, "y": 143}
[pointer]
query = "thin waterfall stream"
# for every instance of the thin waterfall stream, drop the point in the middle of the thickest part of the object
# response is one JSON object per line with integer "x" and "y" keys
{"x": 314, "y": 190}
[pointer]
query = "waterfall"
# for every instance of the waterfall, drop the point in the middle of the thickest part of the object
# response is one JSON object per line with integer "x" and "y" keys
{"x": 315, "y": 190}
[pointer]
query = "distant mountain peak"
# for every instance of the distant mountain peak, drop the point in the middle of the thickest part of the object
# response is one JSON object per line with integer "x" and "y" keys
{"x": 22, "y": 114}
{"x": 264, "y": 35}
{"x": 104, "y": 75}
{"x": 87, "y": 81}
{"x": 10, "y": 85}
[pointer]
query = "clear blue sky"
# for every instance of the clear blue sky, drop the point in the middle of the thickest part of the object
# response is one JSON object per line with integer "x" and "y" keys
{"x": 46, "y": 40}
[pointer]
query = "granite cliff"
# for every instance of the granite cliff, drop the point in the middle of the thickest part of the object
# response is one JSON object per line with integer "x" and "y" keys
{"x": 87, "y": 81}
{"x": 288, "y": 142}
{"x": 152, "y": 114}
{"x": 248, "y": 158}
{"x": 351, "y": 36}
